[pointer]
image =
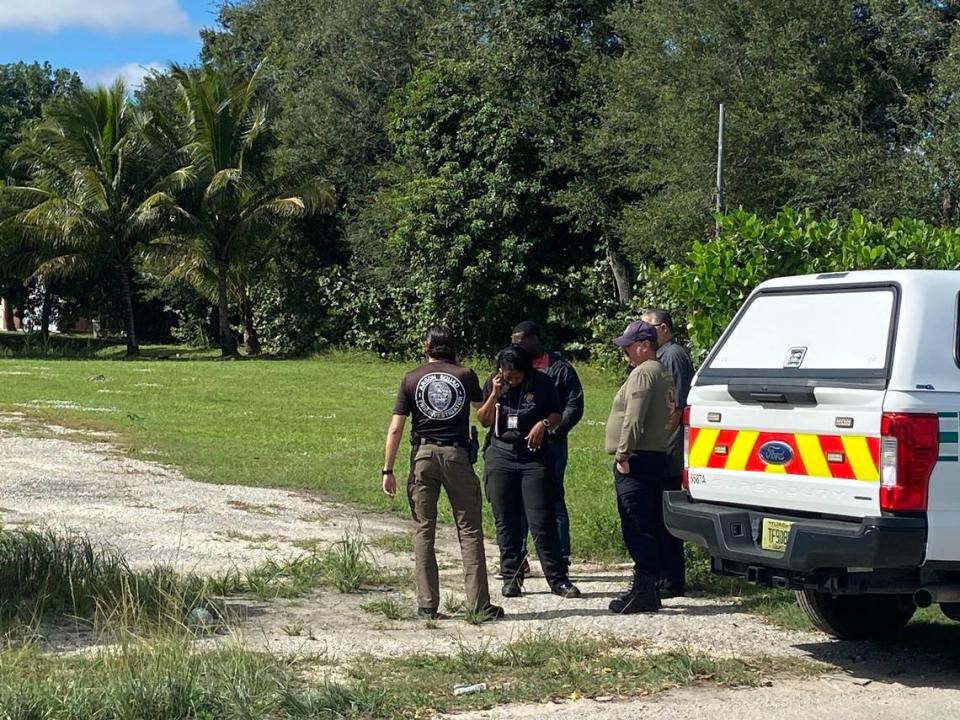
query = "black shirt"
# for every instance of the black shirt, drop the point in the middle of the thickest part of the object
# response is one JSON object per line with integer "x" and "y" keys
{"x": 677, "y": 362}
{"x": 531, "y": 401}
{"x": 570, "y": 391}
{"x": 438, "y": 395}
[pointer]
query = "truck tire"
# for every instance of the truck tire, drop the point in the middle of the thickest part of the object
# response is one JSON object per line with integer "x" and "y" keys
{"x": 857, "y": 617}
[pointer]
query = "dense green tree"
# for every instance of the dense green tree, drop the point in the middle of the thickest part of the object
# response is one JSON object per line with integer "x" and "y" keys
{"x": 333, "y": 64}
{"x": 815, "y": 92}
{"x": 931, "y": 181}
{"x": 89, "y": 197}
{"x": 465, "y": 235}
{"x": 228, "y": 199}
{"x": 485, "y": 200}
{"x": 24, "y": 89}
{"x": 329, "y": 68}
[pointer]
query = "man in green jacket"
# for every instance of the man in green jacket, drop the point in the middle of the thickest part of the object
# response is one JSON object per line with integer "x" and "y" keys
{"x": 638, "y": 431}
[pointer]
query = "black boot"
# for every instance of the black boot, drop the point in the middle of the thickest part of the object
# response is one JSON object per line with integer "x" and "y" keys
{"x": 633, "y": 582}
{"x": 642, "y": 598}
{"x": 670, "y": 589}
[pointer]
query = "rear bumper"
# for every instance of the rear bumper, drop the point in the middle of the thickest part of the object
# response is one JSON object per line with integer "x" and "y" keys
{"x": 731, "y": 534}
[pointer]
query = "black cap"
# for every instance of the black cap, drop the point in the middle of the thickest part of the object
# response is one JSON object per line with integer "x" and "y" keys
{"x": 635, "y": 332}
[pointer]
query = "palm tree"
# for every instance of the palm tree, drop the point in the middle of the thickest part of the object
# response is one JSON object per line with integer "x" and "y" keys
{"x": 93, "y": 176}
{"x": 226, "y": 210}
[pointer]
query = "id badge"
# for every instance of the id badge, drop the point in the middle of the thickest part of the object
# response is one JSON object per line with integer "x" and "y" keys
{"x": 513, "y": 422}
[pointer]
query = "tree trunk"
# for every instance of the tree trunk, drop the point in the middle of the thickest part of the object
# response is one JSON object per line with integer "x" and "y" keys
{"x": 228, "y": 343}
{"x": 947, "y": 207}
{"x": 620, "y": 269}
{"x": 133, "y": 348}
{"x": 45, "y": 312}
{"x": 8, "y": 322}
{"x": 250, "y": 338}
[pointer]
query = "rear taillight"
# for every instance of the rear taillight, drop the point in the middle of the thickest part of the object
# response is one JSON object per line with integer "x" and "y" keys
{"x": 686, "y": 448}
{"x": 909, "y": 445}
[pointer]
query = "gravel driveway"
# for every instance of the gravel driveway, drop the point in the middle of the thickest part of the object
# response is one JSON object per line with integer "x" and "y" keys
{"x": 154, "y": 514}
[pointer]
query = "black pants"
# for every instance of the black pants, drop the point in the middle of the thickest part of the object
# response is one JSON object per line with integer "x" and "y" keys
{"x": 639, "y": 500}
{"x": 560, "y": 454}
{"x": 518, "y": 482}
{"x": 672, "y": 565}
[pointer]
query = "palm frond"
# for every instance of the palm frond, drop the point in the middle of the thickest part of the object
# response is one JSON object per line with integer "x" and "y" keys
{"x": 227, "y": 180}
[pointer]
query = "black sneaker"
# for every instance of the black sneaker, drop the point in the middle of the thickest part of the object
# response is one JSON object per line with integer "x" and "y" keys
{"x": 566, "y": 589}
{"x": 428, "y": 613}
{"x": 512, "y": 588}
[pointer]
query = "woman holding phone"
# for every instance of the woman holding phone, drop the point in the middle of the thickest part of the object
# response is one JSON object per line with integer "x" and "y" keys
{"x": 520, "y": 406}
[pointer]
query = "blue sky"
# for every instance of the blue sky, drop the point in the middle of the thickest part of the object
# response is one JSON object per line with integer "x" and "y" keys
{"x": 102, "y": 39}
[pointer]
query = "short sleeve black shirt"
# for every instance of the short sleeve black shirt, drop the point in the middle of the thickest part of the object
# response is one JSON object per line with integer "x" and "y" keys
{"x": 438, "y": 396}
{"x": 531, "y": 401}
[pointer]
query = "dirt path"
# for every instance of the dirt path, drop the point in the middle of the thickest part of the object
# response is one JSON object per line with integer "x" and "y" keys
{"x": 153, "y": 514}
{"x": 831, "y": 696}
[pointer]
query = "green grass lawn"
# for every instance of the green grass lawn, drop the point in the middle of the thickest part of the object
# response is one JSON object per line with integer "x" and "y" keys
{"x": 315, "y": 424}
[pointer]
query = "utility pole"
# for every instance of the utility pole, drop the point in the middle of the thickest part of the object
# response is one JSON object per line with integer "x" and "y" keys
{"x": 719, "y": 193}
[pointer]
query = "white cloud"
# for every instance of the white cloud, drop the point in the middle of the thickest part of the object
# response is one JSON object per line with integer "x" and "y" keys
{"x": 131, "y": 73}
{"x": 113, "y": 16}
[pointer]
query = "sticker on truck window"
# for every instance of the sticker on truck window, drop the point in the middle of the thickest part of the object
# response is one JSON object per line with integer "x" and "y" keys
{"x": 795, "y": 357}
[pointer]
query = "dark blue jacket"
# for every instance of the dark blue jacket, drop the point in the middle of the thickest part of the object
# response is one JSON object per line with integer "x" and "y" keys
{"x": 570, "y": 391}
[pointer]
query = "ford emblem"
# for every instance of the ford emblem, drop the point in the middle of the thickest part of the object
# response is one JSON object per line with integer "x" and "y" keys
{"x": 776, "y": 452}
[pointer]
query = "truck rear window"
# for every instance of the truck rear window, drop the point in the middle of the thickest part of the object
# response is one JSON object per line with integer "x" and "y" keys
{"x": 835, "y": 333}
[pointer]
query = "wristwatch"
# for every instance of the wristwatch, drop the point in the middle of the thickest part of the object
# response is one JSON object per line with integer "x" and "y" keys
{"x": 546, "y": 423}
{"x": 387, "y": 472}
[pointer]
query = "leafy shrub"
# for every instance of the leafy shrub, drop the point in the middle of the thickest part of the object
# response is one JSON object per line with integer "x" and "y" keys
{"x": 719, "y": 274}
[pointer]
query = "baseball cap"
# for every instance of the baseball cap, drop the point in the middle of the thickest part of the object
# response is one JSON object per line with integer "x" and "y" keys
{"x": 636, "y": 331}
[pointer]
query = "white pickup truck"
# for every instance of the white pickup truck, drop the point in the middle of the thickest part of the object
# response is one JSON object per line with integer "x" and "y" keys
{"x": 821, "y": 447}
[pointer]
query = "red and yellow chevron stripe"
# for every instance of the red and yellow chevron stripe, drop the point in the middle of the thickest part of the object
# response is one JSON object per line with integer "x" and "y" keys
{"x": 847, "y": 457}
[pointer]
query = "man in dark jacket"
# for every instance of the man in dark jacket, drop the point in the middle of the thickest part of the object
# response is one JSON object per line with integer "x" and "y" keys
{"x": 677, "y": 361}
{"x": 527, "y": 335}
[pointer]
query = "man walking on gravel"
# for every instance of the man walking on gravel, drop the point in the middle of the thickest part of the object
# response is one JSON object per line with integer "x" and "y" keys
{"x": 641, "y": 421}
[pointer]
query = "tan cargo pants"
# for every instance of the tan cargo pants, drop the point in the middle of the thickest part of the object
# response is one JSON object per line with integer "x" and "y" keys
{"x": 434, "y": 467}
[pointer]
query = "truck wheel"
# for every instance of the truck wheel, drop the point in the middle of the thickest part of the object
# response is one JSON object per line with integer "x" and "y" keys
{"x": 857, "y": 617}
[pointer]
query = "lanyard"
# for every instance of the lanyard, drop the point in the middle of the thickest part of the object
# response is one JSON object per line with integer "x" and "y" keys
{"x": 510, "y": 412}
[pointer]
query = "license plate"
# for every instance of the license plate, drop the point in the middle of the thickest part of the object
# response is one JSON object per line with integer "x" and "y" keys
{"x": 774, "y": 534}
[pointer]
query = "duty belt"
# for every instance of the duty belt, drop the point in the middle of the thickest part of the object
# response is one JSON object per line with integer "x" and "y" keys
{"x": 440, "y": 443}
